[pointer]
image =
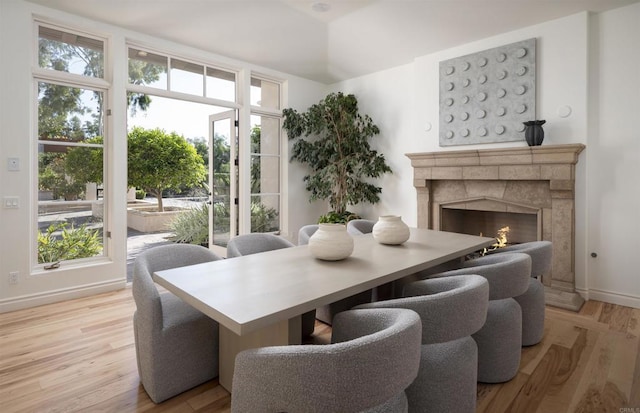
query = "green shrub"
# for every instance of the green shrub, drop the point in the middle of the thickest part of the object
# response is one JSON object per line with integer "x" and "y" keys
{"x": 262, "y": 218}
{"x": 70, "y": 244}
{"x": 192, "y": 226}
{"x": 221, "y": 217}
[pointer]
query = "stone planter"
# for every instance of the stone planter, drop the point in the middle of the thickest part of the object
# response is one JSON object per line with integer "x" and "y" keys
{"x": 144, "y": 217}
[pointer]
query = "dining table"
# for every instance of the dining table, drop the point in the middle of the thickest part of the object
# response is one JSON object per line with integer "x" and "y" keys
{"x": 258, "y": 299}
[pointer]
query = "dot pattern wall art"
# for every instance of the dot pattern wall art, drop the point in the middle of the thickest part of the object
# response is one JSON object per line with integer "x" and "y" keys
{"x": 485, "y": 96}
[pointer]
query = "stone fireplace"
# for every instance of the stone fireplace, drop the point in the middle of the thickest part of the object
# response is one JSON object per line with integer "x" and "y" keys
{"x": 530, "y": 189}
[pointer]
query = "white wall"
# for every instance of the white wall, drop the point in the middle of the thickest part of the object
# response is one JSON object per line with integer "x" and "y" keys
{"x": 17, "y": 139}
{"x": 563, "y": 67}
{"x": 613, "y": 153}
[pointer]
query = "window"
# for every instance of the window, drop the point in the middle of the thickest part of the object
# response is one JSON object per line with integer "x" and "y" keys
{"x": 155, "y": 70}
{"x": 71, "y": 53}
{"x": 265, "y": 156}
{"x": 70, "y": 146}
{"x": 265, "y": 174}
{"x": 265, "y": 93}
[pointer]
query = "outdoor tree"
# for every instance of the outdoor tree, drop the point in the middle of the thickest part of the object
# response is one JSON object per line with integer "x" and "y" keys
{"x": 338, "y": 151}
{"x": 84, "y": 164}
{"x": 158, "y": 160}
{"x": 63, "y": 113}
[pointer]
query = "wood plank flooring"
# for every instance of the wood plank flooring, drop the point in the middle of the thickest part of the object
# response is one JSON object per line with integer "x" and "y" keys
{"x": 78, "y": 356}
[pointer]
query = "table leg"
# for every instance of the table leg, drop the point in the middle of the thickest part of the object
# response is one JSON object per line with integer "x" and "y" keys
{"x": 280, "y": 334}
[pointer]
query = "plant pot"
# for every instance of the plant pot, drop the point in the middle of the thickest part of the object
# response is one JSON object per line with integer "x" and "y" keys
{"x": 331, "y": 242}
{"x": 391, "y": 230}
{"x": 533, "y": 132}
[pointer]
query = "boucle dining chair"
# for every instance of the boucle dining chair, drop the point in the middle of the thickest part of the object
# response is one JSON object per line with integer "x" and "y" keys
{"x": 260, "y": 242}
{"x": 450, "y": 309}
{"x": 373, "y": 357}
{"x": 500, "y": 339}
{"x": 360, "y": 226}
{"x": 254, "y": 243}
{"x": 532, "y": 302}
{"x": 176, "y": 345}
{"x": 306, "y": 232}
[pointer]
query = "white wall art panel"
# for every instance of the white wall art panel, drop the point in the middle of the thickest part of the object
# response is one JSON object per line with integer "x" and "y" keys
{"x": 486, "y": 96}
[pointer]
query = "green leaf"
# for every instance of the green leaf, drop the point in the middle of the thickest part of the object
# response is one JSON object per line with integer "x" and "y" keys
{"x": 336, "y": 150}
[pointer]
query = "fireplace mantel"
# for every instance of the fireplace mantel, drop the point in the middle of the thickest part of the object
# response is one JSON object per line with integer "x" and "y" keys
{"x": 540, "y": 178}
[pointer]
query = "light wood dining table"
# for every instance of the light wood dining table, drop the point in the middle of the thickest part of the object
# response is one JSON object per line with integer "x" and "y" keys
{"x": 258, "y": 299}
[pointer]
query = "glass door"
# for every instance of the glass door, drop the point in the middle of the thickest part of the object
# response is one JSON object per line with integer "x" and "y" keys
{"x": 223, "y": 178}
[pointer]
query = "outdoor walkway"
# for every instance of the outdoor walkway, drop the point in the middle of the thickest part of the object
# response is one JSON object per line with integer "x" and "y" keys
{"x": 140, "y": 241}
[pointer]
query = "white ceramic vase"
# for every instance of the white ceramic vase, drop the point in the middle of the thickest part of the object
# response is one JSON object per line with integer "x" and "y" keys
{"x": 390, "y": 229}
{"x": 331, "y": 242}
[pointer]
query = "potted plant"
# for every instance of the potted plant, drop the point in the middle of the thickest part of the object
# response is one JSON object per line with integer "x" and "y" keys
{"x": 337, "y": 152}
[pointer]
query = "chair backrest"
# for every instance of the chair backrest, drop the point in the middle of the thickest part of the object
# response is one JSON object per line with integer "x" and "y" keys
{"x": 541, "y": 253}
{"x": 508, "y": 274}
{"x": 254, "y": 243}
{"x": 163, "y": 257}
{"x": 360, "y": 226}
{"x": 449, "y": 307}
{"x": 306, "y": 232}
{"x": 374, "y": 357}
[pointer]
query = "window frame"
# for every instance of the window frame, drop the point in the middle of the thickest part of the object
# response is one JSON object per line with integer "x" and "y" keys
{"x": 62, "y": 78}
{"x": 283, "y": 154}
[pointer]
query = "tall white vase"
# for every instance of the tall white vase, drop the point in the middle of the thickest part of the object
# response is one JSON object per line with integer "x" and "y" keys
{"x": 390, "y": 229}
{"x": 331, "y": 242}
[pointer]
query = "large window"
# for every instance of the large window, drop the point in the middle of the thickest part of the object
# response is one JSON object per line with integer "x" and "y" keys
{"x": 265, "y": 156}
{"x": 71, "y": 101}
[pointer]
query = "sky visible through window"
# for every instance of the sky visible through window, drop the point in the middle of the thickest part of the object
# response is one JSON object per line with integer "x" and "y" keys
{"x": 188, "y": 119}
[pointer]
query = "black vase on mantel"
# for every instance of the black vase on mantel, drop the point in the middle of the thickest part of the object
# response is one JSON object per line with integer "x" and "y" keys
{"x": 533, "y": 132}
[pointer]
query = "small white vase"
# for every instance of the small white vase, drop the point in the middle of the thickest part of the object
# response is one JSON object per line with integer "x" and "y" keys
{"x": 331, "y": 242}
{"x": 390, "y": 229}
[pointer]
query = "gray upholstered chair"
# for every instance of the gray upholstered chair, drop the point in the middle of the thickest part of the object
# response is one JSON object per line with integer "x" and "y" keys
{"x": 260, "y": 242}
{"x": 500, "y": 339}
{"x": 253, "y": 243}
{"x": 306, "y": 232}
{"x": 360, "y": 226}
{"x": 176, "y": 345}
{"x": 532, "y": 302}
{"x": 373, "y": 358}
{"x": 451, "y": 309}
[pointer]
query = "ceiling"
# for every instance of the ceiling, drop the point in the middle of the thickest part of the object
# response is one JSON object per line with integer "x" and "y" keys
{"x": 350, "y": 39}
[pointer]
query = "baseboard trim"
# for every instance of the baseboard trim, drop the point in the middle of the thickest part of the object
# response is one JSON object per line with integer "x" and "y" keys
{"x": 611, "y": 297}
{"x": 49, "y": 297}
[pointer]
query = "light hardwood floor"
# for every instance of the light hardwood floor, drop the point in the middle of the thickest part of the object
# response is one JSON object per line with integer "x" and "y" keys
{"x": 78, "y": 356}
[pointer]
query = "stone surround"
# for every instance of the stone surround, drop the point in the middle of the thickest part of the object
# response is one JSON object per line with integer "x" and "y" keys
{"x": 536, "y": 180}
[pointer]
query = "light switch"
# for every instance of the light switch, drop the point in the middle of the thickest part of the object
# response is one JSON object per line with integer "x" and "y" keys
{"x": 13, "y": 164}
{"x": 11, "y": 202}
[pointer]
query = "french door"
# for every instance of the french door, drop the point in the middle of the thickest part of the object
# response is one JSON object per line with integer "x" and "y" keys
{"x": 223, "y": 180}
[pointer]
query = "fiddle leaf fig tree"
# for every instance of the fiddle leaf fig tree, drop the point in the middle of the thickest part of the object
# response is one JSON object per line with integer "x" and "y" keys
{"x": 337, "y": 151}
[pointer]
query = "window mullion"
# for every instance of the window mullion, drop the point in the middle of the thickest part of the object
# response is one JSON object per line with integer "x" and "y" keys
{"x": 69, "y": 79}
